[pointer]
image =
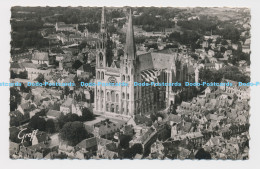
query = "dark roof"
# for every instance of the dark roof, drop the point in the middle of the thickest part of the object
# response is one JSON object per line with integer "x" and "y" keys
{"x": 112, "y": 147}
{"x": 146, "y": 135}
{"x": 41, "y": 136}
{"x": 187, "y": 126}
{"x": 30, "y": 65}
{"x": 77, "y": 64}
{"x": 15, "y": 65}
{"x": 88, "y": 143}
{"x": 85, "y": 68}
{"x": 140, "y": 119}
{"x": 157, "y": 60}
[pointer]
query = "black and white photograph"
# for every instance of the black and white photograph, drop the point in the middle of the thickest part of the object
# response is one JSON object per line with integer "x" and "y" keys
{"x": 129, "y": 83}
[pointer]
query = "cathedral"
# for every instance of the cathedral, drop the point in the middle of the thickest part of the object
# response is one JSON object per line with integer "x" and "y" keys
{"x": 159, "y": 66}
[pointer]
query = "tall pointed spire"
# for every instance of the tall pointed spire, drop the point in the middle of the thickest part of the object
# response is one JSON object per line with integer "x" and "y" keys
{"x": 130, "y": 49}
{"x": 103, "y": 30}
{"x": 103, "y": 21}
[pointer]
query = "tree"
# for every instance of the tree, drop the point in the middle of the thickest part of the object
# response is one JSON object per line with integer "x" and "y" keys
{"x": 40, "y": 78}
{"x": 140, "y": 39}
{"x": 15, "y": 98}
{"x": 82, "y": 45}
{"x": 23, "y": 75}
{"x": 13, "y": 105}
{"x": 50, "y": 126}
{"x": 152, "y": 45}
{"x": 194, "y": 56}
{"x": 137, "y": 149}
{"x": 37, "y": 122}
{"x": 61, "y": 156}
{"x": 224, "y": 42}
{"x": 223, "y": 49}
{"x": 73, "y": 133}
{"x": 202, "y": 154}
{"x": 153, "y": 117}
{"x": 173, "y": 108}
{"x": 175, "y": 36}
{"x": 14, "y": 135}
{"x": 233, "y": 73}
{"x": 218, "y": 55}
{"x": 111, "y": 29}
{"x": 17, "y": 119}
{"x": 218, "y": 40}
{"x": 208, "y": 76}
{"x": 72, "y": 117}
{"x": 25, "y": 89}
{"x": 87, "y": 115}
{"x": 66, "y": 90}
{"x": 76, "y": 81}
{"x": 42, "y": 112}
{"x": 22, "y": 88}
{"x": 230, "y": 32}
{"x": 131, "y": 152}
{"x": 124, "y": 141}
{"x": 13, "y": 74}
{"x": 63, "y": 119}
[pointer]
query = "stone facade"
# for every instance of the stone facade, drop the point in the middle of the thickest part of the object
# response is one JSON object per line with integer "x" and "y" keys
{"x": 162, "y": 66}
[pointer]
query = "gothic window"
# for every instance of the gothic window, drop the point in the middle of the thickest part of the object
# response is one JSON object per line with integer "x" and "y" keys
{"x": 117, "y": 98}
{"x": 126, "y": 70}
{"x": 128, "y": 78}
{"x": 100, "y": 56}
{"x": 102, "y": 75}
{"x": 123, "y": 78}
{"x": 108, "y": 96}
{"x": 98, "y": 75}
{"x": 113, "y": 96}
{"x": 102, "y": 93}
{"x": 107, "y": 107}
{"x": 127, "y": 96}
{"x": 112, "y": 108}
{"x": 117, "y": 109}
{"x": 123, "y": 95}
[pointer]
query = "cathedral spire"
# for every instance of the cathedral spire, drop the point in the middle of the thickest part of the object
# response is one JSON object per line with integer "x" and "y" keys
{"x": 130, "y": 49}
{"x": 103, "y": 21}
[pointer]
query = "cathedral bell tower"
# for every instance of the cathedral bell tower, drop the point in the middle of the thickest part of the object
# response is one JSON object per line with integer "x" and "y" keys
{"x": 101, "y": 64}
{"x": 129, "y": 70}
{"x": 101, "y": 44}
